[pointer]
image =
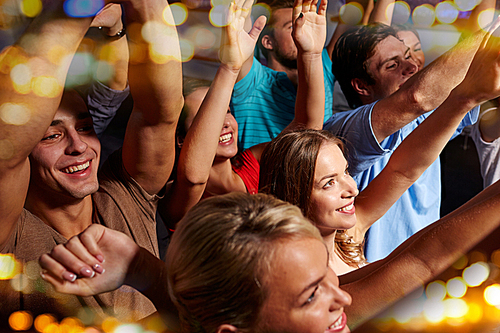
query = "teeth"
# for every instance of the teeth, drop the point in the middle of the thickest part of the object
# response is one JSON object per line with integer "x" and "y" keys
{"x": 336, "y": 324}
{"x": 346, "y": 208}
{"x": 225, "y": 138}
{"x": 80, "y": 167}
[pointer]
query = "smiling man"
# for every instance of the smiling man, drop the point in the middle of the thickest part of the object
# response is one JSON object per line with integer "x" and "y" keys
{"x": 50, "y": 189}
{"x": 390, "y": 98}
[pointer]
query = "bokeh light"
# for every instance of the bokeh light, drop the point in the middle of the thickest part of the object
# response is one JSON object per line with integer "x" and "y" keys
{"x": 485, "y": 17}
{"x": 204, "y": 38}
{"x": 224, "y": 3}
{"x": 218, "y": 16}
{"x": 9, "y": 267}
{"x": 187, "y": 49}
{"x": 456, "y": 287}
{"x": 20, "y": 320}
{"x": 436, "y": 290}
{"x": 260, "y": 9}
{"x": 434, "y": 310}
{"x": 495, "y": 258}
{"x": 466, "y": 5}
{"x": 351, "y": 13}
{"x": 446, "y": 12}
{"x": 31, "y": 8}
{"x": 6, "y": 152}
{"x": 492, "y": 294}
{"x": 475, "y": 313}
{"x": 104, "y": 71}
{"x": 109, "y": 324}
{"x": 401, "y": 13}
{"x": 20, "y": 282}
{"x": 476, "y": 274}
{"x": 129, "y": 328}
{"x": 46, "y": 86}
{"x": 82, "y": 8}
{"x": 455, "y": 308}
{"x": 71, "y": 325}
{"x": 14, "y": 114}
{"x": 424, "y": 16}
{"x": 179, "y": 14}
{"x": 461, "y": 263}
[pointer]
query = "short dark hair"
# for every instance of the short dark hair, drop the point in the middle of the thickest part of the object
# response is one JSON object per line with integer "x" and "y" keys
{"x": 406, "y": 27}
{"x": 274, "y": 5}
{"x": 351, "y": 52}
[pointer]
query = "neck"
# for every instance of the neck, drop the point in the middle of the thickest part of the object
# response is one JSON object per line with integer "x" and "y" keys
{"x": 335, "y": 262}
{"x": 292, "y": 73}
{"x": 68, "y": 217}
{"x": 219, "y": 172}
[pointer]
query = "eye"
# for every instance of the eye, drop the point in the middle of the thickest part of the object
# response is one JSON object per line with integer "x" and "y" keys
{"x": 329, "y": 183}
{"x": 51, "y": 137}
{"x": 346, "y": 171}
{"x": 417, "y": 49}
{"x": 391, "y": 65}
{"x": 311, "y": 298}
{"x": 86, "y": 128}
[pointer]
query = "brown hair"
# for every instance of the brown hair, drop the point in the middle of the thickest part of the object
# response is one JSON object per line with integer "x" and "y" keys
{"x": 220, "y": 253}
{"x": 287, "y": 170}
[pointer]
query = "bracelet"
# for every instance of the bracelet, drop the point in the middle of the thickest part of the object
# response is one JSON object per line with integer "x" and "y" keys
{"x": 118, "y": 35}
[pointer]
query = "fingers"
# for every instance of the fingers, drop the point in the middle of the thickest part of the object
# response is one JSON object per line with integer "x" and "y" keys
{"x": 323, "y": 7}
{"x": 257, "y": 27}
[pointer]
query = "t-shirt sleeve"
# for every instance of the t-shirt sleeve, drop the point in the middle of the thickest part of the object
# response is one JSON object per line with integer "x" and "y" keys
{"x": 103, "y": 102}
{"x": 246, "y": 85}
{"x": 470, "y": 118}
{"x": 355, "y": 129}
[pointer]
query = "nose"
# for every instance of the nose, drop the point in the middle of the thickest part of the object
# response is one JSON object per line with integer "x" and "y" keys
{"x": 351, "y": 188}
{"x": 340, "y": 298}
{"x": 411, "y": 66}
{"x": 76, "y": 145}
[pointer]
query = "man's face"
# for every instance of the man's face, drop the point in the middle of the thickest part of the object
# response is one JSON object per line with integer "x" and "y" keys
{"x": 65, "y": 161}
{"x": 284, "y": 47}
{"x": 390, "y": 66}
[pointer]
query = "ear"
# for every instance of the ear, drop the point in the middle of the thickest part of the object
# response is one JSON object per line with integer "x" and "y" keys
{"x": 267, "y": 42}
{"x": 361, "y": 87}
{"x": 226, "y": 328}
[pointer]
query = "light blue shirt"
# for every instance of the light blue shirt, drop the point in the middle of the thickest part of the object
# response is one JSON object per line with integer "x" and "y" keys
{"x": 418, "y": 206}
{"x": 263, "y": 102}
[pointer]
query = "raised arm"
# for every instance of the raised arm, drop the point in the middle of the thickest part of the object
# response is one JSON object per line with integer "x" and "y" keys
{"x": 425, "y": 90}
{"x": 156, "y": 87}
{"x": 309, "y": 35}
{"x": 200, "y": 145}
{"x": 27, "y": 109}
{"x": 422, "y": 257}
{"x": 109, "y": 90}
{"x": 421, "y": 148}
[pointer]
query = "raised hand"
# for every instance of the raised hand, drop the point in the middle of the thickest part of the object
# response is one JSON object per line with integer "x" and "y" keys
{"x": 109, "y": 18}
{"x": 237, "y": 45}
{"x": 482, "y": 81}
{"x": 309, "y": 28}
{"x": 93, "y": 262}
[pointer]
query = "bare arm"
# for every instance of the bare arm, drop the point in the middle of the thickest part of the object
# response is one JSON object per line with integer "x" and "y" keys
{"x": 201, "y": 142}
{"x": 309, "y": 34}
{"x": 26, "y": 116}
{"x": 425, "y": 90}
{"x": 156, "y": 86}
{"x": 421, "y": 148}
{"x": 422, "y": 257}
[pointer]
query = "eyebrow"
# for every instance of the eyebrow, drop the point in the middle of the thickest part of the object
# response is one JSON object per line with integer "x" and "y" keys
{"x": 80, "y": 116}
{"x": 286, "y": 23}
{"x": 333, "y": 175}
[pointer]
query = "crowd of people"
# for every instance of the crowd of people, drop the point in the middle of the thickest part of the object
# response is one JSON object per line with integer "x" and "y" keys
{"x": 281, "y": 212}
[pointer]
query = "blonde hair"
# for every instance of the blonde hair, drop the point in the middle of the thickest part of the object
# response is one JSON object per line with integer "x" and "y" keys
{"x": 220, "y": 253}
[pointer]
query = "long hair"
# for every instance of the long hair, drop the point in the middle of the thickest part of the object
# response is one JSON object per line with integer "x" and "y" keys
{"x": 287, "y": 170}
{"x": 220, "y": 253}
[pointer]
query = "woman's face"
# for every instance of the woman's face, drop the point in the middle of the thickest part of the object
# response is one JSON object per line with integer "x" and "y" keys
{"x": 333, "y": 191}
{"x": 228, "y": 138}
{"x": 304, "y": 294}
{"x": 412, "y": 41}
